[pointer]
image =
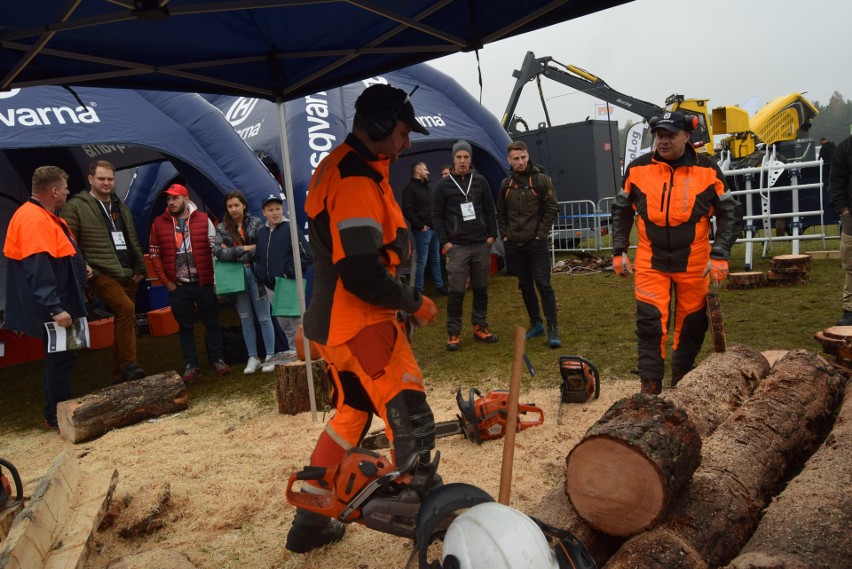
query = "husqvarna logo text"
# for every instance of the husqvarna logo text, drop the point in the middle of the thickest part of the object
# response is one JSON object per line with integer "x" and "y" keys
{"x": 240, "y": 110}
{"x": 46, "y": 116}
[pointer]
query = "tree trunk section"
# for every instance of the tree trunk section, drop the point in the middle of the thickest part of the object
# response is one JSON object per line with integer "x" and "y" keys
{"x": 807, "y": 525}
{"x": 92, "y": 415}
{"x": 718, "y": 386}
{"x": 749, "y": 280}
{"x": 292, "y": 386}
{"x": 744, "y": 460}
{"x": 623, "y": 473}
{"x": 837, "y": 341}
{"x": 634, "y": 438}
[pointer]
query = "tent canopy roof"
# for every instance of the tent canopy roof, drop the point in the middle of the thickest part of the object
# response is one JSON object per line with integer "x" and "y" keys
{"x": 264, "y": 48}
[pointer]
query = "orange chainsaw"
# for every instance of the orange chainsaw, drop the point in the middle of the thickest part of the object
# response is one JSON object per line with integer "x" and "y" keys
{"x": 480, "y": 419}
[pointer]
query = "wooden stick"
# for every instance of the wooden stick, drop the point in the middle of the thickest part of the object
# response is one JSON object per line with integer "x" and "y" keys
{"x": 512, "y": 418}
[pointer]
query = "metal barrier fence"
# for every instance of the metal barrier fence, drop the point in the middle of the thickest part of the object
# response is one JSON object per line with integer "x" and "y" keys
{"x": 583, "y": 225}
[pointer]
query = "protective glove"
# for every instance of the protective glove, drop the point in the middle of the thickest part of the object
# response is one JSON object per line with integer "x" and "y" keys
{"x": 426, "y": 313}
{"x": 622, "y": 267}
{"x": 718, "y": 269}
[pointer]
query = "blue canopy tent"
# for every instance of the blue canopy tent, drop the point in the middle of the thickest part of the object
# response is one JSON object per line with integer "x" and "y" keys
{"x": 318, "y": 122}
{"x": 275, "y": 50}
{"x": 70, "y": 129}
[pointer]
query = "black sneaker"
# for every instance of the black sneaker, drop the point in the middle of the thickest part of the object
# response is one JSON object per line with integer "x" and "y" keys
{"x": 304, "y": 538}
{"x": 133, "y": 371}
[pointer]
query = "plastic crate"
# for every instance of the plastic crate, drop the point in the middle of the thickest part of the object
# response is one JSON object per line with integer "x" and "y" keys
{"x": 20, "y": 349}
{"x": 161, "y": 322}
{"x": 158, "y": 297}
{"x": 101, "y": 333}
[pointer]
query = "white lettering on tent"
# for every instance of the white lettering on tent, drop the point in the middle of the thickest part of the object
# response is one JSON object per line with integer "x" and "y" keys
{"x": 45, "y": 116}
{"x": 320, "y": 141}
{"x": 431, "y": 121}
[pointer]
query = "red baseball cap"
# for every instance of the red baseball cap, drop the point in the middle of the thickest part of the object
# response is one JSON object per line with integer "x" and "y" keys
{"x": 177, "y": 190}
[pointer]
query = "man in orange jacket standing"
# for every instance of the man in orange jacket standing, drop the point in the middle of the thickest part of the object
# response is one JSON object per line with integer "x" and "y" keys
{"x": 673, "y": 193}
{"x": 360, "y": 239}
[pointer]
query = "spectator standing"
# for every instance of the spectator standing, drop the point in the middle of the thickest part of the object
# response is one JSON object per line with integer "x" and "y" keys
{"x": 672, "y": 193}
{"x": 526, "y": 210}
{"x": 417, "y": 208}
{"x": 840, "y": 192}
{"x": 275, "y": 258}
{"x": 464, "y": 218}
{"x": 182, "y": 240}
{"x": 445, "y": 170}
{"x": 359, "y": 240}
{"x": 103, "y": 227}
{"x": 236, "y": 241}
{"x": 45, "y": 278}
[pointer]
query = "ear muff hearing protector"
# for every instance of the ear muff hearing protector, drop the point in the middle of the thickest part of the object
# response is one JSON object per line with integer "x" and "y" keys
{"x": 381, "y": 126}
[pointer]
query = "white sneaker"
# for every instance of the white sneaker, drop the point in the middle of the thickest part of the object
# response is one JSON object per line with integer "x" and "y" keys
{"x": 252, "y": 365}
{"x": 268, "y": 367}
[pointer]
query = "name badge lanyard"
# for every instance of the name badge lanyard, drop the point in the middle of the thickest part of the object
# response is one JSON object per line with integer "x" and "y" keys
{"x": 117, "y": 236}
{"x": 467, "y": 209}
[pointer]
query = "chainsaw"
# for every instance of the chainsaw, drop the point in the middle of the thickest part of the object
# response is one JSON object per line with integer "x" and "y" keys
{"x": 580, "y": 381}
{"x": 6, "y": 486}
{"x": 480, "y": 419}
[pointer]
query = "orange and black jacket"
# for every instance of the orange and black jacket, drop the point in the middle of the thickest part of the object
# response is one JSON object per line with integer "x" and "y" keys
{"x": 46, "y": 273}
{"x": 359, "y": 237}
{"x": 673, "y": 206}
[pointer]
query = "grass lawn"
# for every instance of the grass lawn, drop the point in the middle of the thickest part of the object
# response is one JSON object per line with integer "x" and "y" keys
{"x": 596, "y": 320}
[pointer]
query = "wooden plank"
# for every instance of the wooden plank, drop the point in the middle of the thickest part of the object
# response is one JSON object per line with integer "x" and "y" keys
{"x": 34, "y": 530}
{"x": 74, "y": 544}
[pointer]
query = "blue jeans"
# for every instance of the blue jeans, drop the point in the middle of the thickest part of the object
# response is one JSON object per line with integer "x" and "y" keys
{"x": 250, "y": 305}
{"x": 428, "y": 249}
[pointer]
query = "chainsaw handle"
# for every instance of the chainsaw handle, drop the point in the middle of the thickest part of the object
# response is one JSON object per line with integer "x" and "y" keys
{"x": 523, "y": 409}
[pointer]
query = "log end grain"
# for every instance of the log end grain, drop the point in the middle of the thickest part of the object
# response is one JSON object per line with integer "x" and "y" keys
{"x": 615, "y": 488}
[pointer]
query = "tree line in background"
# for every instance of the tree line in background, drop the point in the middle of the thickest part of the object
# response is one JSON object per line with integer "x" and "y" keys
{"x": 834, "y": 120}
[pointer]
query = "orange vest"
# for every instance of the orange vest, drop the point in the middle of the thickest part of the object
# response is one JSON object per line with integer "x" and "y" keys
{"x": 22, "y": 240}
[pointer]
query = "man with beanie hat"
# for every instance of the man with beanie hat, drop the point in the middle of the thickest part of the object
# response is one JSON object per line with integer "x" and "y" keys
{"x": 360, "y": 239}
{"x": 465, "y": 220}
{"x": 671, "y": 195}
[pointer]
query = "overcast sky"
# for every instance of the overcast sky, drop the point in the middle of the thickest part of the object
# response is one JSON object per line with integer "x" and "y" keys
{"x": 727, "y": 51}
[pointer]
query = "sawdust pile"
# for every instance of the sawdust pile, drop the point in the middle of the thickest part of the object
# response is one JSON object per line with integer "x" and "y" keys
{"x": 227, "y": 463}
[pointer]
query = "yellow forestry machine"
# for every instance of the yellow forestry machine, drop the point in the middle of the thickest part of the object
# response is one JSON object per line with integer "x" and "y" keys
{"x": 785, "y": 118}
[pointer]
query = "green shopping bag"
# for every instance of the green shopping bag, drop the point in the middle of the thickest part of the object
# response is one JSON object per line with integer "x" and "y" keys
{"x": 230, "y": 277}
{"x": 285, "y": 298}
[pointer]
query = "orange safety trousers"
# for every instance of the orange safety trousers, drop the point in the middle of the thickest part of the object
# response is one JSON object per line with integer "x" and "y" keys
{"x": 654, "y": 290}
{"x": 374, "y": 373}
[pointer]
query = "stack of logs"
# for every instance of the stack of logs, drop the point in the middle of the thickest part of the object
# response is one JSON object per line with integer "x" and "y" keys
{"x": 785, "y": 270}
{"x": 682, "y": 480}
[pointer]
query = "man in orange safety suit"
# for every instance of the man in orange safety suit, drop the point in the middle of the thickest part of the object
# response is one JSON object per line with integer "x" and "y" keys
{"x": 672, "y": 193}
{"x": 360, "y": 239}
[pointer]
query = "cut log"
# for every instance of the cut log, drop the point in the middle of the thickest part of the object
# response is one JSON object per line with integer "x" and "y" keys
{"x": 787, "y": 279}
{"x": 292, "y": 386}
{"x": 623, "y": 472}
{"x": 837, "y": 341}
{"x": 707, "y": 395}
{"x": 791, "y": 263}
{"x": 718, "y": 386}
{"x": 807, "y": 525}
{"x": 92, "y": 415}
{"x": 748, "y": 280}
{"x": 745, "y": 459}
{"x": 717, "y": 324}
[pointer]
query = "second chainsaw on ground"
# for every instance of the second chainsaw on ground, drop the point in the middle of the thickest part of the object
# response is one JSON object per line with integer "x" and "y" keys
{"x": 481, "y": 418}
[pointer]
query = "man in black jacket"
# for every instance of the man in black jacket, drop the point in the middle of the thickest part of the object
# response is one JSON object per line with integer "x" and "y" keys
{"x": 526, "y": 210}
{"x": 417, "y": 209}
{"x": 464, "y": 218}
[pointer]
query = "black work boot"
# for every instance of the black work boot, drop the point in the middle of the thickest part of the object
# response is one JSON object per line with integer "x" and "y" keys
{"x": 310, "y": 531}
{"x": 651, "y": 386}
{"x": 677, "y": 374}
{"x": 847, "y": 318}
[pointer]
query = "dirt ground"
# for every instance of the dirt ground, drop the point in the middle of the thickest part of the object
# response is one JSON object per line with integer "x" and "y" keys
{"x": 227, "y": 464}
